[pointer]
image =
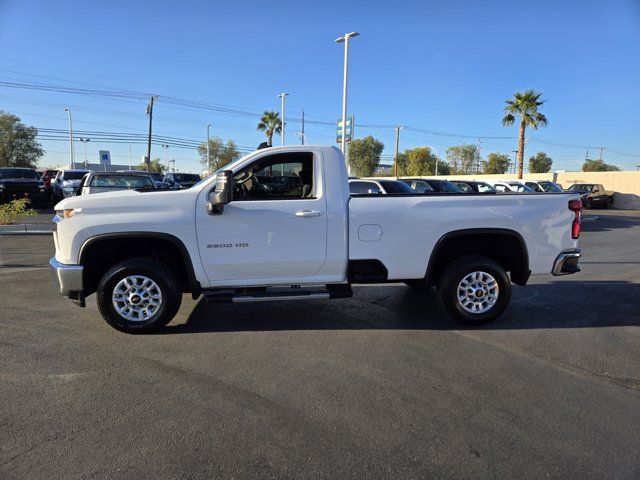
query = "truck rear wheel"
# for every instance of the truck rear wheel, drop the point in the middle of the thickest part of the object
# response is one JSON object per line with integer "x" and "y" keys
{"x": 475, "y": 290}
{"x": 138, "y": 295}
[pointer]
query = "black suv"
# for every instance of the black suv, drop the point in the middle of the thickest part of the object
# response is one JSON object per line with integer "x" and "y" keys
{"x": 18, "y": 183}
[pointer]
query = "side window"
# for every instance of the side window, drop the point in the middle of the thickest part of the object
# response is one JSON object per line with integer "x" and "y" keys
{"x": 363, "y": 188}
{"x": 484, "y": 188}
{"x": 422, "y": 187}
{"x": 500, "y": 188}
{"x": 464, "y": 187}
{"x": 284, "y": 176}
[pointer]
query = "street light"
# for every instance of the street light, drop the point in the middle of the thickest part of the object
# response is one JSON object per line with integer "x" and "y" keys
{"x": 73, "y": 162}
{"x": 433, "y": 148}
{"x": 208, "y": 158}
{"x": 345, "y": 40}
{"x": 85, "y": 141}
{"x": 165, "y": 146}
{"x": 282, "y": 97}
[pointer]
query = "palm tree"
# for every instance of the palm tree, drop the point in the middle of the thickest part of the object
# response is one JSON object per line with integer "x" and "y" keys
{"x": 524, "y": 105}
{"x": 270, "y": 123}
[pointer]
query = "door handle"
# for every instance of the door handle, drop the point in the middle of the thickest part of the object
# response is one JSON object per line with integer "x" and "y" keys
{"x": 308, "y": 213}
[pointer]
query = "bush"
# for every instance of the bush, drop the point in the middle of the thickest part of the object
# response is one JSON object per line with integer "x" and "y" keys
{"x": 15, "y": 211}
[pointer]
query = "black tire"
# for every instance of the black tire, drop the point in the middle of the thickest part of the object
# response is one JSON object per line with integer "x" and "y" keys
{"x": 159, "y": 273}
{"x": 588, "y": 204}
{"x": 609, "y": 203}
{"x": 453, "y": 276}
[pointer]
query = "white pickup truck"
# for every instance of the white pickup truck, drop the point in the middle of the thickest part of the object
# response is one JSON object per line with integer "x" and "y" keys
{"x": 280, "y": 224}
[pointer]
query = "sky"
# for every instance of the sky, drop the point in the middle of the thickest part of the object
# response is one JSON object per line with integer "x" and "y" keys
{"x": 440, "y": 69}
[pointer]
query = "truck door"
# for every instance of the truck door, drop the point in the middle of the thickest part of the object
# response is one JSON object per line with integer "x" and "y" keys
{"x": 275, "y": 227}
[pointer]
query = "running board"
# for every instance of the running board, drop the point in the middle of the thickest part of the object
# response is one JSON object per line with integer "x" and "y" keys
{"x": 278, "y": 294}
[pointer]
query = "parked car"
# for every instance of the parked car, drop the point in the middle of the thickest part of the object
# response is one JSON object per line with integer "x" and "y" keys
{"x": 473, "y": 186}
{"x": 47, "y": 176}
{"x": 592, "y": 195}
{"x": 140, "y": 252}
{"x": 543, "y": 186}
{"x": 66, "y": 183}
{"x": 18, "y": 183}
{"x": 436, "y": 184}
{"x": 100, "y": 182}
{"x": 181, "y": 180}
{"x": 380, "y": 187}
{"x": 510, "y": 186}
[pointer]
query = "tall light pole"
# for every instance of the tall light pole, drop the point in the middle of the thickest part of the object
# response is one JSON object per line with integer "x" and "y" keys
{"x": 71, "y": 153}
{"x": 165, "y": 146}
{"x": 282, "y": 97}
{"x": 432, "y": 148}
{"x": 208, "y": 157}
{"x": 345, "y": 40}
{"x": 85, "y": 141}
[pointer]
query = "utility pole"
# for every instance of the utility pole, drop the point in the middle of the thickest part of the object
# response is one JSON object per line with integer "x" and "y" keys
{"x": 601, "y": 153}
{"x": 71, "y": 153}
{"x": 479, "y": 156}
{"x": 395, "y": 162}
{"x": 208, "y": 157}
{"x": 147, "y": 159}
{"x": 129, "y": 156}
{"x": 302, "y": 136}
{"x": 282, "y": 97}
{"x": 515, "y": 160}
{"x": 586, "y": 155}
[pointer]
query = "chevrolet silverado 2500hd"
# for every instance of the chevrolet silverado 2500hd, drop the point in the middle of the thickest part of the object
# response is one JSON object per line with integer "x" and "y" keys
{"x": 280, "y": 224}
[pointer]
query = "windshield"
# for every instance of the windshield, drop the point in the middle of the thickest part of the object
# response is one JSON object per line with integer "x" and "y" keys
{"x": 19, "y": 173}
{"x": 580, "y": 187}
{"x": 391, "y": 186}
{"x": 73, "y": 175}
{"x": 550, "y": 187}
{"x": 446, "y": 186}
{"x": 186, "y": 177}
{"x": 518, "y": 187}
{"x": 122, "y": 181}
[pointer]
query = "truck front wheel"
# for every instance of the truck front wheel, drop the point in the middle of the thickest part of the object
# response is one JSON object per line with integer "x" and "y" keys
{"x": 138, "y": 295}
{"x": 475, "y": 290}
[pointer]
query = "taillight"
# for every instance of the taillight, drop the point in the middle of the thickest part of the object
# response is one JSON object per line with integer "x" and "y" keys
{"x": 576, "y": 207}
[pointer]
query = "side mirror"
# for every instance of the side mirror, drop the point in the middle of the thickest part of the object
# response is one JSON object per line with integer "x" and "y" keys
{"x": 221, "y": 194}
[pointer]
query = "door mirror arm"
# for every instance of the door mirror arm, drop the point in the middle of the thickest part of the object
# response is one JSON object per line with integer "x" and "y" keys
{"x": 221, "y": 194}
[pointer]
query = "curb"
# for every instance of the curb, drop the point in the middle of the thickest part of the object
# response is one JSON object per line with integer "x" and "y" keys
{"x": 26, "y": 229}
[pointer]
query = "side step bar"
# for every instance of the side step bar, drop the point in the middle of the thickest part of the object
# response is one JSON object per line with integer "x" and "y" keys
{"x": 278, "y": 294}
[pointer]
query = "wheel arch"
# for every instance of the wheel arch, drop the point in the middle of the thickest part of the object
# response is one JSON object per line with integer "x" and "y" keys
{"x": 505, "y": 246}
{"x": 143, "y": 243}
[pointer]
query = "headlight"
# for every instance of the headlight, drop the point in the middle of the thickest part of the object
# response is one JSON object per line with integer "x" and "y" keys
{"x": 66, "y": 213}
{"x": 41, "y": 187}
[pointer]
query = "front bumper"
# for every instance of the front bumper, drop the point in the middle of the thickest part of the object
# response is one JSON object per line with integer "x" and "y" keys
{"x": 69, "y": 278}
{"x": 567, "y": 262}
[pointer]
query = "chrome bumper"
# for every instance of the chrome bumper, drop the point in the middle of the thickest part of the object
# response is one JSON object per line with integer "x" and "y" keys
{"x": 567, "y": 262}
{"x": 69, "y": 277}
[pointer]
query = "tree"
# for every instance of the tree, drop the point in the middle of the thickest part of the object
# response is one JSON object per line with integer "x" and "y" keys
{"x": 463, "y": 159}
{"x": 270, "y": 123}
{"x": 18, "y": 145}
{"x": 524, "y": 105}
{"x": 598, "y": 166}
{"x": 220, "y": 154}
{"x": 155, "y": 166}
{"x": 496, "y": 163}
{"x": 422, "y": 161}
{"x": 540, "y": 163}
{"x": 364, "y": 155}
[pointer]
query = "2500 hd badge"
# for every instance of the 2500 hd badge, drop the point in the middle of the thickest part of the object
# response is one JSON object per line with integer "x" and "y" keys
{"x": 227, "y": 245}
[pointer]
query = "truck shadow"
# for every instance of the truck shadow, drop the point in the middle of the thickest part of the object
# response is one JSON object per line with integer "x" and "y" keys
{"x": 559, "y": 304}
{"x": 607, "y": 222}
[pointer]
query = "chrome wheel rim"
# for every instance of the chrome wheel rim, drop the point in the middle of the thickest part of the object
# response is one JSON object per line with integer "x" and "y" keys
{"x": 478, "y": 292}
{"x": 136, "y": 298}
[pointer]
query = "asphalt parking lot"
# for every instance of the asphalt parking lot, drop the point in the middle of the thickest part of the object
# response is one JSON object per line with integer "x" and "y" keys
{"x": 382, "y": 385}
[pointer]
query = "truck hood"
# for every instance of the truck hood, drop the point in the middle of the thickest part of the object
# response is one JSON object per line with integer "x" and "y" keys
{"x": 128, "y": 199}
